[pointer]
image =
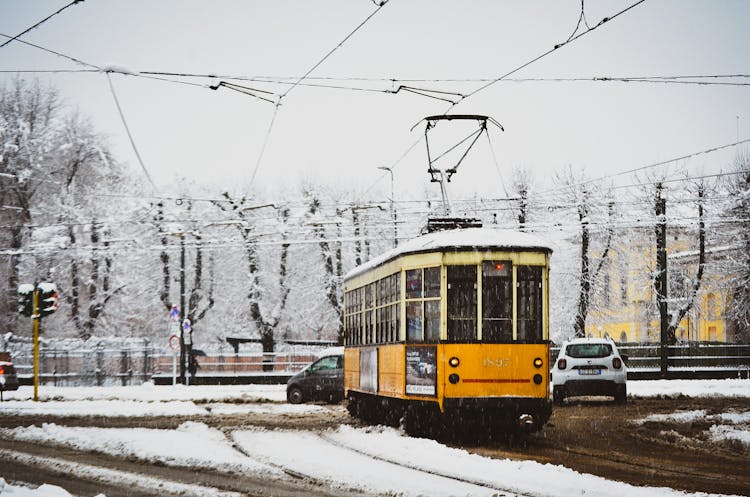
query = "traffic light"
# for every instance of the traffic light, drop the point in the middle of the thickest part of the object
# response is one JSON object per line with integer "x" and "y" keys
{"x": 48, "y": 299}
{"x": 26, "y": 300}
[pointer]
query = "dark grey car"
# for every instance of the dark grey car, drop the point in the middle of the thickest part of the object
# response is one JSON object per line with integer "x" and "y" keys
{"x": 321, "y": 380}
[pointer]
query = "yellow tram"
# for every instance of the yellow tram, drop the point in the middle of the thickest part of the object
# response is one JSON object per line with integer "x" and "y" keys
{"x": 451, "y": 329}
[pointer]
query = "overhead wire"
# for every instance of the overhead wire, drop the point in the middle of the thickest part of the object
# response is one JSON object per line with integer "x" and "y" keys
{"x": 74, "y": 2}
{"x": 379, "y": 5}
{"x": 127, "y": 130}
{"x": 581, "y": 17}
{"x": 647, "y": 166}
{"x": 59, "y": 54}
{"x": 553, "y": 49}
{"x": 299, "y": 80}
{"x": 281, "y": 80}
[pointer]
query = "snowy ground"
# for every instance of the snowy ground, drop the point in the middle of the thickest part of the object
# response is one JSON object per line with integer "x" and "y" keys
{"x": 340, "y": 457}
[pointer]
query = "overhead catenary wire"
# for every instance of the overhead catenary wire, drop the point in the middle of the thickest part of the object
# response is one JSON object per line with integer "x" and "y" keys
{"x": 553, "y": 49}
{"x": 130, "y": 136}
{"x": 53, "y": 52}
{"x": 647, "y": 166}
{"x": 284, "y": 80}
{"x": 301, "y": 78}
{"x": 379, "y": 5}
{"x": 581, "y": 17}
{"x": 484, "y": 205}
{"x": 74, "y": 2}
{"x": 265, "y": 143}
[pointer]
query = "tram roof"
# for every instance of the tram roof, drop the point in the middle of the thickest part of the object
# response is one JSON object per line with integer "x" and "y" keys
{"x": 475, "y": 239}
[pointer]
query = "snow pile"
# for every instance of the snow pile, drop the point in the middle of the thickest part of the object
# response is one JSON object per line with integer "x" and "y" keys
{"x": 732, "y": 427}
{"x": 45, "y": 490}
{"x": 191, "y": 444}
{"x": 148, "y": 392}
{"x": 343, "y": 459}
{"x": 675, "y": 417}
{"x": 689, "y": 388}
{"x": 109, "y": 408}
{"x": 721, "y": 433}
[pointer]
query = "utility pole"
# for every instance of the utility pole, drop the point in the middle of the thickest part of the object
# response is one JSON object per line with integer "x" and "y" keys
{"x": 182, "y": 307}
{"x": 661, "y": 277}
{"x": 35, "y": 316}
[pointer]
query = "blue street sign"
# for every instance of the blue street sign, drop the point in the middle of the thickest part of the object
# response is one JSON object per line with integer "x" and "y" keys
{"x": 174, "y": 312}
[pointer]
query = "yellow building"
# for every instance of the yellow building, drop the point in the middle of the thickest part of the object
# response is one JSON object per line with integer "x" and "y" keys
{"x": 623, "y": 301}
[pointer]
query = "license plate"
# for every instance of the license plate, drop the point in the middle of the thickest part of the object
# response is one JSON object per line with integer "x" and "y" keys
{"x": 589, "y": 372}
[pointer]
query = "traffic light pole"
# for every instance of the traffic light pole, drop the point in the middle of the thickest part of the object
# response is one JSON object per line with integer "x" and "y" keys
{"x": 36, "y": 301}
{"x": 35, "y": 316}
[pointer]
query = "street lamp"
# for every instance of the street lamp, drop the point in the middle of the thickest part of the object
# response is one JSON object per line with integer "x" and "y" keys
{"x": 393, "y": 207}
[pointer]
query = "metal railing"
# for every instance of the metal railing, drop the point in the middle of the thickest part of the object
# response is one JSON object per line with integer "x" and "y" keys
{"x": 733, "y": 359}
{"x": 100, "y": 366}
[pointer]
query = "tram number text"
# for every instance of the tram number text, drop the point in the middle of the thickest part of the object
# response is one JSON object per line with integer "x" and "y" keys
{"x": 496, "y": 362}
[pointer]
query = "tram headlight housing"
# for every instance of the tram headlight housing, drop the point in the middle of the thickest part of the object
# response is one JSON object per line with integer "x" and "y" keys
{"x": 538, "y": 362}
{"x": 454, "y": 362}
{"x": 454, "y": 378}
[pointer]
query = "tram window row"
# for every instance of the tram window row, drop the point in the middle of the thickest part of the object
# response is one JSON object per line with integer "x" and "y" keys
{"x": 373, "y": 311}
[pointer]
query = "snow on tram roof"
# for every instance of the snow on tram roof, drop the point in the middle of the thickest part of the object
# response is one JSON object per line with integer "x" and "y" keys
{"x": 457, "y": 239}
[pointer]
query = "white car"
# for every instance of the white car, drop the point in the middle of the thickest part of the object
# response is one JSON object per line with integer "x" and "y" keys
{"x": 589, "y": 366}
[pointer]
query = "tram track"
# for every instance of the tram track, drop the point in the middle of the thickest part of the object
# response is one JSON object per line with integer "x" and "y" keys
{"x": 432, "y": 472}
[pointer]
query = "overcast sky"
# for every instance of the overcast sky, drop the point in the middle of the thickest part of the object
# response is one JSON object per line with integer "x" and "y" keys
{"x": 341, "y": 136}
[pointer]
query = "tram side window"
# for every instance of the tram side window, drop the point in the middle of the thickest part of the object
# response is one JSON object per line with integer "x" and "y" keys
{"x": 414, "y": 321}
{"x": 497, "y": 301}
{"x": 462, "y": 303}
{"x": 529, "y": 302}
{"x": 354, "y": 317}
{"x": 432, "y": 307}
{"x": 423, "y": 304}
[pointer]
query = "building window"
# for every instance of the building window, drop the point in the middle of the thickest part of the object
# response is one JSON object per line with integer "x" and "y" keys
{"x": 711, "y": 307}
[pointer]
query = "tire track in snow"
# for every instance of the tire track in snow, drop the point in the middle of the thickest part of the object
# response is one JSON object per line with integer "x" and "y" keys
{"x": 229, "y": 434}
{"x": 115, "y": 477}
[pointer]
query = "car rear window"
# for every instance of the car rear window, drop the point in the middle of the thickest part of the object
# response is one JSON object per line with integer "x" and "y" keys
{"x": 588, "y": 350}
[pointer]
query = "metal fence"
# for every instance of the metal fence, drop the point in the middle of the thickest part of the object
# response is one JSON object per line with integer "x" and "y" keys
{"x": 107, "y": 366}
{"x": 700, "y": 358}
{"x": 87, "y": 367}
{"x": 102, "y": 365}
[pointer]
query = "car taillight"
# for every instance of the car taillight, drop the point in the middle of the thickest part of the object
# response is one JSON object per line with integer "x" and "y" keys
{"x": 562, "y": 364}
{"x": 2, "y": 370}
{"x": 616, "y": 363}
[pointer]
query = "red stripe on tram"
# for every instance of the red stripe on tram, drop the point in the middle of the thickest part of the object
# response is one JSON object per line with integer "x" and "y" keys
{"x": 471, "y": 380}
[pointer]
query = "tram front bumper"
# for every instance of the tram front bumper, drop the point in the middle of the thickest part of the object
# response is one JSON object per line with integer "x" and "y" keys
{"x": 528, "y": 414}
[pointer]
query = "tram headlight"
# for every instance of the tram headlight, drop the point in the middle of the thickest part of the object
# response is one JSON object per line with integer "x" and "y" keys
{"x": 454, "y": 362}
{"x": 538, "y": 362}
{"x": 538, "y": 379}
{"x": 454, "y": 378}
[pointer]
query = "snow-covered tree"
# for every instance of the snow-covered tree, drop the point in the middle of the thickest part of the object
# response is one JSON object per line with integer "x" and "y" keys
{"x": 738, "y": 187}
{"x": 583, "y": 196}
